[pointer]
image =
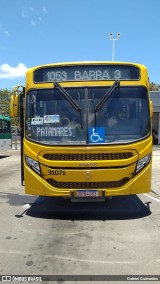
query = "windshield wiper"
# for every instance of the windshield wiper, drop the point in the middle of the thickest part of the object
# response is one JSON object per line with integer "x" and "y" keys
{"x": 107, "y": 95}
{"x": 67, "y": 96}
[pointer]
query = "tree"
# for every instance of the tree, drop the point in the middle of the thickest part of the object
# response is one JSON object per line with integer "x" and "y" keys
{"x": 5, "y": 101}
{"x": 154, "y": 87}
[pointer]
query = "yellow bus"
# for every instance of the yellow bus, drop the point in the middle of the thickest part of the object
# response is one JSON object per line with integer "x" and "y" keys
{"x": 86, "y": 130}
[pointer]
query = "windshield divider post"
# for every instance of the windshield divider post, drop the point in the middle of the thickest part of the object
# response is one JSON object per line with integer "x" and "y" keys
{"x": 95, "y": 113}
{"x": 79, "y": 96}
{"x": 87, "y": 115}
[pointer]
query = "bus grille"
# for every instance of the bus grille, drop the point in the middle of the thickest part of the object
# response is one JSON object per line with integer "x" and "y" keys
{"x": 87, "y": 185}
{"x": 88, "y": 157}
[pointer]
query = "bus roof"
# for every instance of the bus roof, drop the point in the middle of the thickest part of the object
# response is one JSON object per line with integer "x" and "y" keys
{"x": 87, "y": 63}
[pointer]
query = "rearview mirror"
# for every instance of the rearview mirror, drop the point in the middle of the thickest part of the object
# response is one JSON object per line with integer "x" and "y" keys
{"x": 14, "y": 106}
{"x": 15, "y": 100}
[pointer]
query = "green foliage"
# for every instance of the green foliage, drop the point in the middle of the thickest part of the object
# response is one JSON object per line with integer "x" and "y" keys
{"x": 5, "y": 96}
{"x": 5, "y": 101}
{"x": 154, "y": 87}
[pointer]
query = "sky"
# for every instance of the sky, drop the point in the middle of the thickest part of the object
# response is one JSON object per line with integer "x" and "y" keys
{"x": 35, "y": 32}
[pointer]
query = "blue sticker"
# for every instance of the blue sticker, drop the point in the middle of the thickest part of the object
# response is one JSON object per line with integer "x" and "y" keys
{"x": 55, "y": 118}
{"x": 96, "y": 135}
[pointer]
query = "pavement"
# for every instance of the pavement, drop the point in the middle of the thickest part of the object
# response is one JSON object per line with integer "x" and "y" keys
{"x": 156, "y": 170}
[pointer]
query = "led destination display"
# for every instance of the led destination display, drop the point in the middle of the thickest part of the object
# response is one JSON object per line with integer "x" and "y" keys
{"x": 86, "y": 73}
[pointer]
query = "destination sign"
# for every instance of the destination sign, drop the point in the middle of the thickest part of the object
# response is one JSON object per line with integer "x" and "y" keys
{"x": 86, "y": 73}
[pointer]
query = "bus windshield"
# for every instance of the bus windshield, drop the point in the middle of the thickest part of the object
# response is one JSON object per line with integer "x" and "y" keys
{"x": 52, "y": 120}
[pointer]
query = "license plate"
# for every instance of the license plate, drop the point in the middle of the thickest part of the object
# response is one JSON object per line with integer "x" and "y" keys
{"x": 87, "y": 193}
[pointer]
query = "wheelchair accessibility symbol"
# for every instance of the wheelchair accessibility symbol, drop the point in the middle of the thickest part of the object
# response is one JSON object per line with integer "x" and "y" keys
{"x": 96, "y": 135}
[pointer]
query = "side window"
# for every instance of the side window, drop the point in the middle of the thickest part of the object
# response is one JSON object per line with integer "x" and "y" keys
{"x": 6, "y": 127}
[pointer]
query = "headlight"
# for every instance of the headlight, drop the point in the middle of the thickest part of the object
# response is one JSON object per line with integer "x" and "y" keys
{"x": 143, "y": 162}
{"x": 34, "y": 165}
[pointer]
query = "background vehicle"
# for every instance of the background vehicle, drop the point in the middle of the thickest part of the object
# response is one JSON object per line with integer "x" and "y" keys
{"x": 155, "y": 137}
{"x": 5, "y": 133}
{"x": 87, "y": 129}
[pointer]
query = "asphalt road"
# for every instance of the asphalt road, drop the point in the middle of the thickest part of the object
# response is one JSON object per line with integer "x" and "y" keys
{"x": 46, "y": 236}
